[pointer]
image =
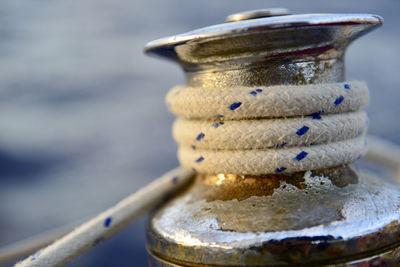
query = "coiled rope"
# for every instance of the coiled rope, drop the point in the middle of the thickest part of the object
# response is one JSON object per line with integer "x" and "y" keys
{"x": 276, "y": 129}
{"x": 238, "y": 130}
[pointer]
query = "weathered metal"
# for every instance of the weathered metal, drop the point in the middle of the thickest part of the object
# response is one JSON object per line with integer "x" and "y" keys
{"x": 339, "y": 216}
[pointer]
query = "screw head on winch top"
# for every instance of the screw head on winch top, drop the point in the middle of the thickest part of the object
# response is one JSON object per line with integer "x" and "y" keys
{"x": 258, "y": 13}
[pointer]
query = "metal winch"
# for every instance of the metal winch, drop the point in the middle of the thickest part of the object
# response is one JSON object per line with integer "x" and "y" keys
{"x": 347, "y": 216}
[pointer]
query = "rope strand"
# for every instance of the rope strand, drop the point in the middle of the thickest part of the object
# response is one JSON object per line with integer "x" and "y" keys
{"x": 246, "y": 130}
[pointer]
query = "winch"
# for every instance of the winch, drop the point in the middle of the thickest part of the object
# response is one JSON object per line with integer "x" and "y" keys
{"x": 272, "y": 128}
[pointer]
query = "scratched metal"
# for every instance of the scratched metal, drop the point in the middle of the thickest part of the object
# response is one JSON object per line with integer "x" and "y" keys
{"x": 331, "y": 216}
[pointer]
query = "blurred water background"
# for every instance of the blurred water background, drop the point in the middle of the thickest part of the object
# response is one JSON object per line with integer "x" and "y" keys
{"x": 82, "y": 116}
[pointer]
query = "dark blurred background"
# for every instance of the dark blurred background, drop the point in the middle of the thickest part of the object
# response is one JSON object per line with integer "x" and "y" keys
{"x": 82, "y": 116}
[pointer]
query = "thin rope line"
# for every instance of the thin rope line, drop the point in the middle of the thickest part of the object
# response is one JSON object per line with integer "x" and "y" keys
{"x": 109, "y": 222}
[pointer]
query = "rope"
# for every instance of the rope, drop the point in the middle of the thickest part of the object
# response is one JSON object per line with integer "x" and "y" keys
{"x": 109, "y": 222}
{"x": 246, "y": 130}
{"x": 267, "y": 102}
{"x": 380, "y": 151}
{"x": 238, "y": 130}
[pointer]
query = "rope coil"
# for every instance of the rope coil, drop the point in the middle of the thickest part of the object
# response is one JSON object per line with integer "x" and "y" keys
{"x": 246, "y": 130}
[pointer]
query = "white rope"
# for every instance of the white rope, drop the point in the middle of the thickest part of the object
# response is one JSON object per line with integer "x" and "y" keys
{"x": 272, "y": 133}
{"x": 380, "y": 151}
{"x": 288, "y": 160}
{"x": 29, "y": 245}
{"x": 109, "y": 222}
{"x": 325, "y": 128}
{"x": 259, "y": 130}
{"x": 273, "y": 101}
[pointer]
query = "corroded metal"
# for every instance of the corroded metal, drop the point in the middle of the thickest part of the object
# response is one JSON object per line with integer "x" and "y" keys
{"x": 304, "y": 218}
{"x": 339, "y": 215}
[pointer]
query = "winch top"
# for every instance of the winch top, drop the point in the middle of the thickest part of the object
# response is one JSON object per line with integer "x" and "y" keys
{"x": 273, "y": 35}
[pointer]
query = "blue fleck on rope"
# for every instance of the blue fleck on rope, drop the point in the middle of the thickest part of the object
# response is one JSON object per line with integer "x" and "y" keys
{"x": 276, "y": 129}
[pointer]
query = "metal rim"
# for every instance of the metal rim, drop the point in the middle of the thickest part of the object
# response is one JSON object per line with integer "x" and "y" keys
{"x": 261, "y": 24}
